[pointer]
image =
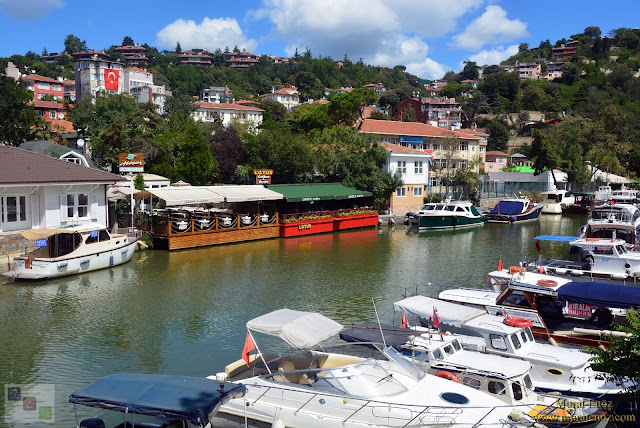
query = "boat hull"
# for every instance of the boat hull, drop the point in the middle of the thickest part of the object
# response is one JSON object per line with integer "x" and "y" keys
{"x": 533, "y": 214}
{"x": 447, "y": 222}
{"x": 41, "y": 268}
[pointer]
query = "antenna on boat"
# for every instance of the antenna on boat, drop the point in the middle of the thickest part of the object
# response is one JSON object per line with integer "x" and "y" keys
{"x": 379, "y": 325}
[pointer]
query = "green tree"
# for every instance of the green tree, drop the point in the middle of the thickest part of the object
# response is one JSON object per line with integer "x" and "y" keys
{"x": 309, "y": 86}
{"x": 621, "y": 362}
{"x": 194, "y": 162}
{"x": 138, "y": 182}
{"x": 273, "y": 110}
{"x": 127, "y": 41}
{"x": 546, "y": 155}
{"x": 226, "y": 148}
{"x": 470, "y": 71}
{"x": 390, "y": 101}
{"x": 308, "y": 117}
{"x": 347, "y": 107}
{"x": 289, "y": 155}
{"x": 533, "y": 97}
{"x": 409, "y": 114}
{"x": 178, "y": 109}
{"x": 18, "y": 116}
{"x": 73, "y": 44}
{"x": 593, "y": 32}
{"x": 498, "y": 131}
{"x": 178, "y": 48}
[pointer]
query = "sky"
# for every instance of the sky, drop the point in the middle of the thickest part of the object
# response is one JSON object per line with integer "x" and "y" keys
{"x": 428, "y": 37}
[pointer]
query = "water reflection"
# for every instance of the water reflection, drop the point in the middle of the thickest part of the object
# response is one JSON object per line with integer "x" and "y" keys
{"x": 185, "y": 312}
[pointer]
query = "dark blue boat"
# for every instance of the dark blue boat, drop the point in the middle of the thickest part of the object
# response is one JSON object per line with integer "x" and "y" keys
{"x": 184, "y": 398}
{"x": 512, "y": 210}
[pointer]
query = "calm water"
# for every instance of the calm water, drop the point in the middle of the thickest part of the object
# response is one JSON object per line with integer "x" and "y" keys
{"x": 185, "y": 312}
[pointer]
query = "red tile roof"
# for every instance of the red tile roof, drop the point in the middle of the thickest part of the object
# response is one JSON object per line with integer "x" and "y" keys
{"x": 62, "y": 125}
{"x": 225, "y": 106}
{"x": 497, "y": 153}
{"x": 46, "y": 104}
{"x": 474, "y": 132}
{"x": 38, "y": 78}
{"x": 397, "y": 148}
{"x": 137, "y": 69}
{"x": 389, "y": 127}
{"x": 18, "y": 166}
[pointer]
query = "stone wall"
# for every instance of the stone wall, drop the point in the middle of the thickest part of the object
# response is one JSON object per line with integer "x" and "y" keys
{"x": 12, "y": 245}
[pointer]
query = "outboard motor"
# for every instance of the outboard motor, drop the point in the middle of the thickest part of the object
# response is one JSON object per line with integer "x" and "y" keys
{"x": 92, "y": 423}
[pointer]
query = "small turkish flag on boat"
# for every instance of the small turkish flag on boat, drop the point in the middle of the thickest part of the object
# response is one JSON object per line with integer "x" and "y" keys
{"x": 436, "y": 318}
{"x": 500, "y": 267}
{"x": 111, "y": 79}
{"x": 248, "y": 347}
{"x": 404, "y": 322}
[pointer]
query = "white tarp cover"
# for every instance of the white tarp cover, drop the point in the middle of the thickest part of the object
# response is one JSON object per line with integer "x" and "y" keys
{"x": 299, "y": 329}
{"x": 251, "y": 192}
{"x": 187, "y": 195}
{"x": 449, "y": 313}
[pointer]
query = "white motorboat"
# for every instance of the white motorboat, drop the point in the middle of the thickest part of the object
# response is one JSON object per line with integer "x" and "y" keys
{"x": 308, "y": 388}
{"x": 556, "y": 200}
{"x": 448, "y": 215}
{"x": 508, "y": 379}
{"x": 73, "y": 250}
{"x": 614, "y": 220}
{"x": 624, "y": 196}
{"x": 553, "y": 368}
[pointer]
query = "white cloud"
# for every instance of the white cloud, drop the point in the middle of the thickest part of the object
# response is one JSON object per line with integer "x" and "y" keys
{"x": 493, "y": 56}
{"x": 29, "y": 10}
{"x": 210, "y": 34}
{"x": 492, "y": 27}
{"x": 428, "y": 69}
{"x": 381, "y": 32}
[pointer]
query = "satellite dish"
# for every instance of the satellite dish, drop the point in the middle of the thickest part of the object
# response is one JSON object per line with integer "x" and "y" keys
{"x": 80, "y": 142}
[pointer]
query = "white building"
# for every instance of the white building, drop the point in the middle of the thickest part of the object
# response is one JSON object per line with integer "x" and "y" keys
{"x": 38, "y": 191}
{"x": 135, "y": 77}
{"x": 154, "y": 94}
{"x": 414, "y": 166}
{"x": 286, "y": 96}
{"x": 207, "y": 112}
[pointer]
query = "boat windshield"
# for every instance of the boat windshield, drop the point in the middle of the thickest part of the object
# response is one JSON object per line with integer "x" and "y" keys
{"x": 62, "y": 244}
{"x": 450, "y": 208}
{"x": 366, "y": 379}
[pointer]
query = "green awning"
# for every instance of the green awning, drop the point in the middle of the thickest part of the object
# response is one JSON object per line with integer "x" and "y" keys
{"x": 317, "y": 192}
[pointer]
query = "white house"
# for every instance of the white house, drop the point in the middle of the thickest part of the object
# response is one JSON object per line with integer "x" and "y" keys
{"x": 414, "y": 166}
{"x": 38, "y": 191}
{"x": 207, "y": 112}
{"x": 286, "y": 96}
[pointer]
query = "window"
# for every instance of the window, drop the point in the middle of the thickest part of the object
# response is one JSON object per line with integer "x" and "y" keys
{"x": 78, "y": 205}
{"x": 417, "y": 191}
{"x": 501, "y": 160}
{"x": 498, "y": 342}
{"x": 448, "y": 350}
{"x": 44, "y": 86}
{"x": 437, "y": 355}
{"x": 456, "y": 345}
{"x": 418, "y": 167}
{"x": 496, "y": 387}
{"x": 433, "y": 181}
{"x": 471, "y": 382}
{"x": 527, "y": 382}
{"x": 57, "y": 87}
{"x": 523, "y": 335}
{"x": 401, "y": 192}
{"x": 402, "y": 167}
{"x": 13, "y": 209}
{"x": 52, "y": 114}
{"x": 529, "y": 334}
{"x": 464, "y": 145}
{"x": 481, "y": 149}
{"x": 517, "y": 391}
{"x": 516, "y": 341}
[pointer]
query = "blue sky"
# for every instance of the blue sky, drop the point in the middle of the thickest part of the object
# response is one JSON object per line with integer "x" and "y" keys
{"x": 428, "y": 37}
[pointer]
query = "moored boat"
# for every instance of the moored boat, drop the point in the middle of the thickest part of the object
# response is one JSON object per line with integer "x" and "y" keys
{"x": 614, "y": 220}
{"x": 584, "y": 203}
{"x": 78, "y": 249}
{"x": 514, "y": 210}
{"x": 448, "y": 215}
{"x": 556, "y": 200}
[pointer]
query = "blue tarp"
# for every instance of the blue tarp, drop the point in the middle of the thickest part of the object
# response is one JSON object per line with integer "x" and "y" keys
{"x": 555, "y": 238}
{"x": 508, "y": 208}
{"x": 600, "y": 294}
{"x": 165, "y": 396}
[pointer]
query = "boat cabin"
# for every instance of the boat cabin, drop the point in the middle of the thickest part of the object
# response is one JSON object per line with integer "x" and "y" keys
{"x": 621, "y": 220}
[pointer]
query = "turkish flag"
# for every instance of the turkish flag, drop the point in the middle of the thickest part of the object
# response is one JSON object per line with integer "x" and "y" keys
{"x": 111, "y": 79}
{"x": 404, "y": 323}
{"x": 248, "y": 347}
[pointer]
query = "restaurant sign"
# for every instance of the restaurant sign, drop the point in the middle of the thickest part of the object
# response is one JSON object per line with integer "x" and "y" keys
{"x": 131, "y": 162}
{"x": 263, "y": 176}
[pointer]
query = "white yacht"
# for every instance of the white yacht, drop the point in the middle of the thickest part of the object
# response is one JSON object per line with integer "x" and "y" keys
{"x": 614, "y": 220}
{"x": 556, "y": 200}
{"x": 553, "y": 368}
{"x": 322, "y": 389}
{"x": 73, "y": 250}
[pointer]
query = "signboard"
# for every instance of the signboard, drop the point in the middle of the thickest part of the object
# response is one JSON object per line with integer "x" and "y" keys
{"x": 411, "y": 139}
{"x": 131, "y": 162}
{"x": 527, "y": 314}
{"x": 41, "y": 243}
{"x": 263, "y": 176}
{"x": 580, "y": 310}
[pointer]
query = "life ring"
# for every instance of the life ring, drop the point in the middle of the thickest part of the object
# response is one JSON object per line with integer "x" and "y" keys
{"x": 547, "y": 283}
{"x": 447, "y": 375}
{"x": 517, "y": 322}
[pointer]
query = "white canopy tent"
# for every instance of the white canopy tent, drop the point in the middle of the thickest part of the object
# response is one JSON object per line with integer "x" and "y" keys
{"x": 449, "y": 313}
{"x": 186, "y": 195}
{"x": 299, "y": 329}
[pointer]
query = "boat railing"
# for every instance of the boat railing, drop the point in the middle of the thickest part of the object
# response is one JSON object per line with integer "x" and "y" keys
{"x": 205, "y": 223}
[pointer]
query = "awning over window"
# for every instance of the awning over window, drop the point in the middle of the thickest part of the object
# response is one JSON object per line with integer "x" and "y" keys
{"x": 211, "y": 194}
{"x": 318, "y": 192}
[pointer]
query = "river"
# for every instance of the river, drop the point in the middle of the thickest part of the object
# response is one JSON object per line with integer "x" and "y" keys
{"x": 184, "y": 312}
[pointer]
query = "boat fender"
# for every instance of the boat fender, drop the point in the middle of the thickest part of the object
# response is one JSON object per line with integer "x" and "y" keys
{"x": 277, "y": 423}
{"x": 517, "y": 322}
{"x": 447, "y": 375}
{"x": 553, "y": 341}
{"x": 547, "y": 283}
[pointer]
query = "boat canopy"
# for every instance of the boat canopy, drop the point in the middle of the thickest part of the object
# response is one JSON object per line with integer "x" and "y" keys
{"x": 176, "y": 397}
{"x": 33, "y": 234}
{"x": 556, "y": 238}
{"x": 299, "y": 329}
{"x": 600, "y": 294}
{"x": 185, "y": 195}
{"x": 508, "y": 208}
{"x": 448, "y": 313}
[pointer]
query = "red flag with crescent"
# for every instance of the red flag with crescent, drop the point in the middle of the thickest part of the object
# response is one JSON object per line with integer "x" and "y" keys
{"x": 111, "y": 79}
{"x": 500, "y": 267}
{"x": 436, "y": 318}
{"x": 248, "y": 347}
{"x": 404, "y": 322}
